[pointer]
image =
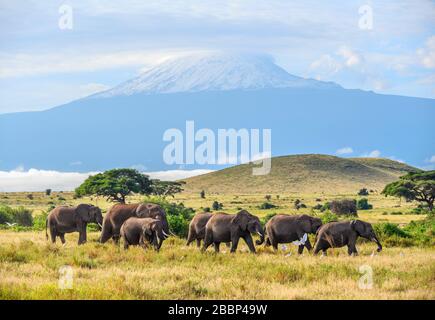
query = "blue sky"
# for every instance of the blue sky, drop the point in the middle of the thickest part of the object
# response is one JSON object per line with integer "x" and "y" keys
{"x": 42, "y": 66}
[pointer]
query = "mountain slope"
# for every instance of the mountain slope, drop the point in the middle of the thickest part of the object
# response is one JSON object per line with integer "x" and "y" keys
{"x": 311, "y": 173}
{"x": 211, "y": 72}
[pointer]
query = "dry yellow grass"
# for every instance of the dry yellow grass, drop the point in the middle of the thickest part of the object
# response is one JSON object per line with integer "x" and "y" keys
{"x": 29, "y": 265}
{"x": 29, "y": 268}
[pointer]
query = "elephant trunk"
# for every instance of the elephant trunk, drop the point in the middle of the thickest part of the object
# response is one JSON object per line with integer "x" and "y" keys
{"x": 261, "y": 234}
{"x": 375, "y": 239}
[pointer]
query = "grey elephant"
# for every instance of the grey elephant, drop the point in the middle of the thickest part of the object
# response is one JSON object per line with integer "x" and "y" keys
{"x": 344, "y": 233}
{"x": 197, "y": 228}
{"x": 284, "y": 228}
{"x": 119, "y": 213}
{"x": 63, "y": 220}
{"x": 223, "y": 227}
{"x": 139, "y": 231}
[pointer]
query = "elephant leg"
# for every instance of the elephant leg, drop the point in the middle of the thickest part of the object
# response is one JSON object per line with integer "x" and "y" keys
{"x": 82, "y": 236}
{"x": 53, "y": 234}
{"x": 250, "y": 243}
{"x": 198, "y": 243}
{"x": 62, "y": 237}
{"x": 116, "y": 238}
{"x": 300, "y": 249}
{"x": 228, "y": 244}
{"x": 208, "y": 240}
{"x": 351, "y": 249}
{"x": 106, "y": 233}
{"x": 216, "y": 247}
{"x": 234, "y": 244}
{"x": 318, "y": 247}
{"x": 308, "y": 245}
{"x": 324, "y": 253}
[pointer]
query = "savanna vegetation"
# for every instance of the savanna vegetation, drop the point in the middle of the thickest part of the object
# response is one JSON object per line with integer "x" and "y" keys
{"x": 30, "y": 266}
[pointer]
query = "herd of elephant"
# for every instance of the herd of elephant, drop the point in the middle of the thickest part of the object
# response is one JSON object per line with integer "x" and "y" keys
{"x": 146, "y": 224}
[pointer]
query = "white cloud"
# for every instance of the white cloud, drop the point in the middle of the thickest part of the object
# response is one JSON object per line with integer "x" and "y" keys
{"x": 22, "y": 65}
{"x": 19, "y": 180}
{"x": 372, "y": 154}
{"x": 351, "y": 58}
{"x": 431, "y": 159}
{"x": 427, "y": 54}
{"x": 345, "y": 150}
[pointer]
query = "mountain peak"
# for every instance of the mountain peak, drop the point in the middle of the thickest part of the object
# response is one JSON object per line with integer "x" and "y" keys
{"x": 213, "y": 71}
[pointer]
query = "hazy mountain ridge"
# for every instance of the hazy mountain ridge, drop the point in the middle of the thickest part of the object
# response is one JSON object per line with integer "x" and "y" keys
{"x": 124, "y": 127}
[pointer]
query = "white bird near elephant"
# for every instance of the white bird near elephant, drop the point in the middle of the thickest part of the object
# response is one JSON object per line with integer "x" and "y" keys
{"x": 284, "y": 247}
{"x": 301, "y": 241}
{"x": 10, "y": 224}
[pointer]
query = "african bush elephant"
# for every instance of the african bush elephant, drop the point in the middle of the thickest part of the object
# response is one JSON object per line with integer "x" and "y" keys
{"x": 223, "y": 227}
{"x": 138, "y": 231}
{"x": 119, "y": 213}
{"x": 284, "y": 228}
{"x": 339, "y": 234}
{"x": 197, "y": 228}
{"x": 63, "y": 220}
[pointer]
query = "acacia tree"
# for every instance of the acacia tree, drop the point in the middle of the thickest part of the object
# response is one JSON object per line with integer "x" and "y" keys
{"x": 418, "y": 186}
{"x": 166, "y": 188}
{"x": 115, "y": 184}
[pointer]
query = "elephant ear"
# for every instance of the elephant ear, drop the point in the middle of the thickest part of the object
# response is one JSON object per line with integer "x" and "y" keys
{"x": 358, "y": 226}
{"x": 305, "y": 222}
{"x": 83, "y": 212}
{"x": 141, "y": 211}
{"x": 242, "y": 219}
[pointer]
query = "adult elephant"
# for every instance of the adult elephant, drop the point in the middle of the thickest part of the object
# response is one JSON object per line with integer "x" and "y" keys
{"x": 284, "y": 228}
{"x": 138, "y": 231}
{"x": 119, "y": 213}
{"x": 197, "y": 228}
{"x": 223, "y": 227}
{"x": 344, "y": 233}
{"x": 63, "y": 220}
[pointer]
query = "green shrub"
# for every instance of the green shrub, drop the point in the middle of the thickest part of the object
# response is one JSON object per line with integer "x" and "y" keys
{"x": 179, "y": 225}
{"x": 344, "y": 207}
{"x": 328, "y": 216}
{"x": 318, "y": 207}
{"x": 266, "y": 218}
{"x": 206, "y": 209}
{"x": 217, "y": 206}
{"x": 363, "y": 204}
{"x": 177, "y": 214}
{"x": 267, "y": 205}
{"x": 363, "y": 192}
{"x": 23, "y": 217}
{"x": 423, "y": 231}
{"x": 386, "y": 229}
{"x": 39, "y": 221}
{"x": 5, "y": 215}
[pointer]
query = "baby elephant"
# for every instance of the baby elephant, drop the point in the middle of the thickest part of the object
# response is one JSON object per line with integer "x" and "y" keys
{"x": 339, "y": 234}
{"x": 138, "y": 231}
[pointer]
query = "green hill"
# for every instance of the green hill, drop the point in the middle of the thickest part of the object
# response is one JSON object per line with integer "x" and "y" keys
{"x": 311, "y": 173}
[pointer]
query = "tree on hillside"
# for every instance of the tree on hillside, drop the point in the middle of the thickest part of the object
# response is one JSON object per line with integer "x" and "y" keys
{"x": 166, "y": 188}
{"x": 115, "y": 184}
{"x": 418, "y": 186}
{"x": 363, "y": 192}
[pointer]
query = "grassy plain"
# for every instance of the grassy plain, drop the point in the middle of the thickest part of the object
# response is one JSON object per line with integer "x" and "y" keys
{"x": 29, "y": 265}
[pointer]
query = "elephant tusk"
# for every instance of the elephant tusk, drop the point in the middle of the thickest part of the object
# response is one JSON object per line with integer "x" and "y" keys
{"x": 165, "y": 234}
{"x": 259, "y": 234}
{"x": 101, "y": 226}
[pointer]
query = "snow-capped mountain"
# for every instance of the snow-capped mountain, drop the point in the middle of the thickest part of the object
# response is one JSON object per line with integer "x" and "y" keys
{"x": 212, "y": 72}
